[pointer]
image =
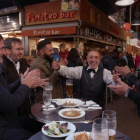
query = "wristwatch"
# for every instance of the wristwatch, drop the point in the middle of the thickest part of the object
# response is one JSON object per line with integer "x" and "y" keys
{"x": 127, "y": 92}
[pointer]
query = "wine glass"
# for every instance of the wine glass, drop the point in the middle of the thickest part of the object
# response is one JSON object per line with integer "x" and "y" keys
{"x": 111, "y": 118}
{"x": 69, "y": 87}
{"x": 100, "y": 129}
{"x": 47, "y": 98}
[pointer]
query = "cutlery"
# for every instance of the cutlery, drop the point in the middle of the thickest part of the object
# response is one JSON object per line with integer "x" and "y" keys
{"x": 120, "y": 138}
{"x": 86, "y": 121}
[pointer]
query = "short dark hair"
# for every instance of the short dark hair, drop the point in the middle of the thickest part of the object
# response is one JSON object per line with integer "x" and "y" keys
{"x": 56, "y": 50}
{"x": 1, "y": 38}
{"x": 43, "y": 43}
{"x": 105, "y": 52}
{"x": 9, "y": 41}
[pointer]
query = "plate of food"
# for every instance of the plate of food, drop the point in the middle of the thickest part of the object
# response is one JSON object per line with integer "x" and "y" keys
{"x": 69, "y": 102}
{"x": 80, "y": 136}
{"x": 58, "y": 129}
{"x": 71, "y": 113}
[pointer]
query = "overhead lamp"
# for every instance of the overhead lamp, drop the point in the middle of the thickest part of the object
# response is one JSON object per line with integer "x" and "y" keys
{"x": 124, "y": 2}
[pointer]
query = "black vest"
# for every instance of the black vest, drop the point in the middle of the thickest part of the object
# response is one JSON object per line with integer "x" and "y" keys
{"x": 93, "y": 88}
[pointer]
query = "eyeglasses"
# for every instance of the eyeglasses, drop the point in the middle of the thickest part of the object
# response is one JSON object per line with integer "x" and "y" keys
{"x": 19, "y": 49}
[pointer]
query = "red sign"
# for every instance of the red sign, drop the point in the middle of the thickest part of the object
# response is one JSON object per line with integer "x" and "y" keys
{"x": 50, "y": 31}
{"x": 49, "y": 16}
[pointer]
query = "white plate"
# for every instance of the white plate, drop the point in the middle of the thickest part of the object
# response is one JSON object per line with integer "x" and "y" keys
{"x": 71, "y": 126}
{"x": 67, "y": 109}
{"x": 76, "y": 101}
{"x": 70, "y": 137}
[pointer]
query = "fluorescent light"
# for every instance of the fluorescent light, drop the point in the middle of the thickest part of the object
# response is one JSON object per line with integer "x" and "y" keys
{"x": 136, "y": 21}
{"x": 124, "y": 2}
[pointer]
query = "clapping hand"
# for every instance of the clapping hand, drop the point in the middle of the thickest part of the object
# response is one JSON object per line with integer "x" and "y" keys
{"x": 40, "y": 82}
{"x": 30, "y": 78}
{"x": 120, "y": 88}
{"x": 122, "y": 70}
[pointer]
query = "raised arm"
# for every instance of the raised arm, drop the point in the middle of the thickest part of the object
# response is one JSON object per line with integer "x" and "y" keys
{"x": 71, "y": 72}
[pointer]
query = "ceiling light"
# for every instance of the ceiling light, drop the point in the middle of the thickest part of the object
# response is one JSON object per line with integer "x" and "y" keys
{"x": 136, "y": 21}
{"x": 124, "y": 2}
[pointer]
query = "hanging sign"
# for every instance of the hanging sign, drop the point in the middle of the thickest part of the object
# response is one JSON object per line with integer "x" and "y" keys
{"x": 92, "y": 15}
{"x": 70, "y": 5}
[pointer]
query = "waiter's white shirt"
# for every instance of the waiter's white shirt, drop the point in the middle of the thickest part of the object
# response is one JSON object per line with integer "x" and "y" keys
{"x": 76, "y": 73}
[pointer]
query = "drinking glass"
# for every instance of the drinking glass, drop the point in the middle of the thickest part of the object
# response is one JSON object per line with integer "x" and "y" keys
{"x": 69, "y": 87}
{"x": 48, "y": 86}
{"x": 111, "y": 118}
{"x": 47, "y": 98}
{"x": 100, "y": 129}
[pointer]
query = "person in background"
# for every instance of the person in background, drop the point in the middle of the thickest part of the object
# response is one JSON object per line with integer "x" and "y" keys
{"x": 55, "y": 55}
{"x": 125, "y": 58}
{"x": 120, "y": 61}
{"x": 93, "y": 78}
{"x": 130, "y": 60}
{"x": 43, "y": 62}
{"x": 63, "y": 52}
{"x": 74, "y": 61}
{"x": 108, "y": 62}
{"x": 137, "y": 60}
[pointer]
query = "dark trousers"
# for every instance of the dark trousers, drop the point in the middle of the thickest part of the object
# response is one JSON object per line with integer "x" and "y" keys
{"x": 24, "y": 131}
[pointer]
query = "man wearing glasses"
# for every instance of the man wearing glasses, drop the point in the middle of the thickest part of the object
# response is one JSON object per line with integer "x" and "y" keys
{"x": 13, "y": 67}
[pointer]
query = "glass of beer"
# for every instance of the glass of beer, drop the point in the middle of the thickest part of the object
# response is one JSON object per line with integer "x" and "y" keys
{"x": 69, "y": 87}
{"x": 47, "y": 98}
{"x": 100, "y": 129}
{"x": 111, "y": 118}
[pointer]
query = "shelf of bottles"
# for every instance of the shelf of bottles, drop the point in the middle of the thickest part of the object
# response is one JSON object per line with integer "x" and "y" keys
{"x": 101, "y": 36}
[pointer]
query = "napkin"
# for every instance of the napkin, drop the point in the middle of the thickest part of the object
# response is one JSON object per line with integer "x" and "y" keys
{"x": 90, "y": 103}
{"x": 95, "y": 105}
{"x": 51, "y": 106}
{"x": 94, "y": 108}
{"x": 55, "y": 100}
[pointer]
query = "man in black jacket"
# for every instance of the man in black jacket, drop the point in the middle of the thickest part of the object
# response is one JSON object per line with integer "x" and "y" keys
{"x": 13, "y": 67}
{"x": 11, "y": 126}
{"x": 108, "y": 62}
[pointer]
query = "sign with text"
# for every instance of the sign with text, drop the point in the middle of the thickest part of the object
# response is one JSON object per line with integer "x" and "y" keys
{"x": 70, "y": 5}
{"x": 49, "y": 12}
{"x": 50, "y": 31}
{"x": 92, "y": 15}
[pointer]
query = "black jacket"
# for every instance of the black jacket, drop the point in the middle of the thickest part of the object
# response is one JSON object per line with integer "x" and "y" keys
{"x": 108, "y": 63}
{"x": 133, "y": 95}
{"x": 10, "y": 70}
{"x": 10, "y": 102}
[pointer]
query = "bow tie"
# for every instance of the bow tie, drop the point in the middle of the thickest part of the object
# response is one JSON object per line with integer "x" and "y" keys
{"x": 91, "y": 70}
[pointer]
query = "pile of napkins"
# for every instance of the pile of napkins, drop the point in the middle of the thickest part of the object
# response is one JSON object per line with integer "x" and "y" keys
{"x": 51, "y": 107}
{"x": 90, "y": 105}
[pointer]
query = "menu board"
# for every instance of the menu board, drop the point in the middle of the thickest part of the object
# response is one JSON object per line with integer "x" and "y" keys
{"x": 70, "y": 5}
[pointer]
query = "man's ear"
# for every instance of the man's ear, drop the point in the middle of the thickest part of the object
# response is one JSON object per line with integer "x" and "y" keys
{"x": 7, "y": 51}
{"x": 41, "y": 52}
